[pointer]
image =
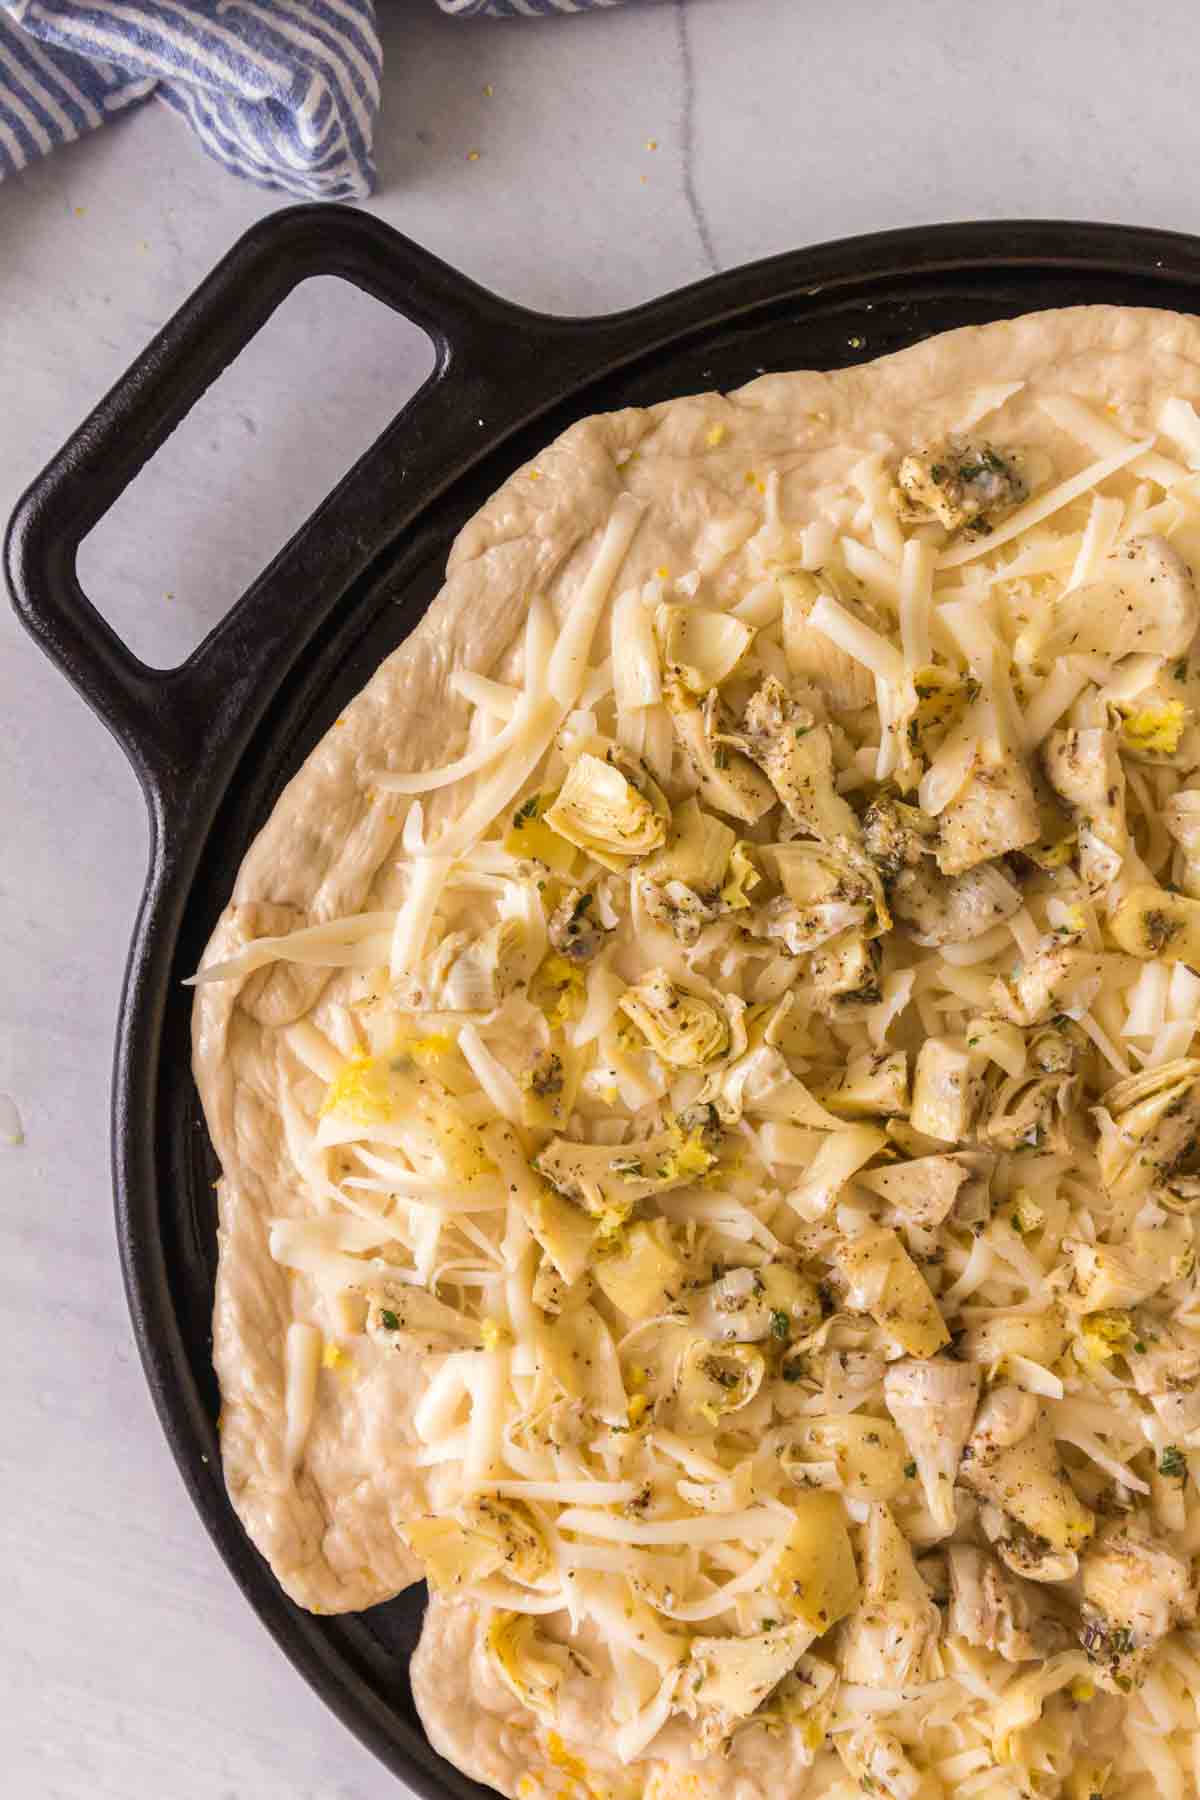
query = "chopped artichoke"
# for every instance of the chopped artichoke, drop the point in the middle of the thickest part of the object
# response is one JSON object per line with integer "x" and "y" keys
{"x": 488, "y": 1535}
{"x": 845, "y": 976}
{"x": 892, "y": 1637}
{"x": 998, "y": 1611}
{"x": 715, "y": 1379}
{"x": 831, "y": 890}
{"x": 1041, "y": 1337}
{"x": 896, "y": 836}
{"x": 993, "y": 812}
{"x": 924, "y": 1189}
{"x": 747, "y": 1305}
{"x": 512, "y": 1645}
{"x": 796, "y": 752}
{"x": 696, "y": 852}
{"x": 960, "y": 484}
{"x": 1084, "y": 768}
{"x": 947, "y": 1089}
{"x": 1011, "y": 1459}
{"x": 867, "y": 1454}
{"x": 1061, "y": 978}
{"x": 1029, "y": 1110}
{"x": 1123, "y": 1275}
{"x": 1150, "y": 922}
{"x": 815, "y": 1578}
{"x": 874, "y": 1084}
{"x": 683, "y": 1029}
{"x": 563, "y": 1230}
{"x": 953, "y": 909}
{"x": 730, "y": 1677}
{"x": 602, "y": 811}
{"x": 1143, "y": 602}
{"x": 1155, "y": 1128}
{"x": 934, "y": 1404}
{"x": 640, "y": 1271}
{"x": 607, "y": 1180}
{"x": 841, "y": 681}
{"x": 700, "y": 649}
{"x": 1135, "y": 1591}
{"x": 724, "y": 778}
{"x": 881, "y": 1278}
{"x": 575, "y": 930}
{"x": 879, "y": 1763}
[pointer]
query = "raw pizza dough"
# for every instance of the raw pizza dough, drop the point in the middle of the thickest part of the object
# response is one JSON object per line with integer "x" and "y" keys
{"x": 701, "y": 464}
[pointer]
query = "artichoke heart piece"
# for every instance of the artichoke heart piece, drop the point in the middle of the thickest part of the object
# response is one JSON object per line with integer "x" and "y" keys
{"x": 607, "y": 1180}
{"x": 881, "y": 1278}
{"x": 1040, "y": 1337}
{"x": 960, "y": 484}
{"x": 896, "y": 835}
{"x": 605, "y": 813}
{"x": 1150, "y": 922}
{"x": 891, "y": 1639}
{"x": 815, "y": 1578}
{"x": 879, "y": 1763}
{"x": 700, "y": 649}
{"x": 1154, "y": 1131}
{"x": 1135, "y": 1591}
{"x": 947, "y": 1089}
{"x": 845, "y": 976}
{"x": 724, "y": 778}
{"x": 954, "y": 909}
{"x": 994, "y": 811}
{"x": 923, "y": 1189}
{"x": 1142, "y": 602}
{"x": 732, "y": 1676}
{"x": 832, "y": 889}
{"x": 1118, "y": 1276}
{"x": 473, "y": 974}
{"x": 489, "y": 1534}
{"x": 640, "y": 1271}
{"x": 685, "y": 1030}
{"x": 867, "y": 1454}
{"x": 1061, "y": 978}
{"x": 1030, "y": 1110}
{"x": 1084, "y": 769}
{"x": 715, "y": 1379}
{"x": 697, "y": 851}
{"x": 1011, "y": 1459}
{"x": 874, "y": 1085}
{"x": 796, "y": 754}
{"x": 562, "y": 1228}
{"x": 934, "y": 1404}
{"x": 520, "y": 1659}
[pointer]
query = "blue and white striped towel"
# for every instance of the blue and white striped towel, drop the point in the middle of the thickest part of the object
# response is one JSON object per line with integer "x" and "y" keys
{"x": 284, "y": 92}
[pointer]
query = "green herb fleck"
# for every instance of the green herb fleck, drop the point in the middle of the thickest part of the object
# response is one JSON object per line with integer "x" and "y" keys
{"x": 780, "y": 1324}
{"x": 1173, "y": 1463}
{"x": 388, "y": 1320}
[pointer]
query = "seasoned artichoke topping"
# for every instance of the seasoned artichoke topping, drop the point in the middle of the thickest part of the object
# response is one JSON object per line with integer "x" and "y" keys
{"x": 602, "y": 810}
{"x": 960, "y": 484}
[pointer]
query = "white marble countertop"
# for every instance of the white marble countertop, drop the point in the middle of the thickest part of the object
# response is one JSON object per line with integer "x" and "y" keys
{"x": 129, "y": 1664}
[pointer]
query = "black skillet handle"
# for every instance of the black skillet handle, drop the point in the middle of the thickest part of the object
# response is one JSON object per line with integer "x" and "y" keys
{"x": 169, "y": 720}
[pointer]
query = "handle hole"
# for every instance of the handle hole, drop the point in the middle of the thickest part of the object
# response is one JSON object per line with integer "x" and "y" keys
{"x": 252, "y": 460}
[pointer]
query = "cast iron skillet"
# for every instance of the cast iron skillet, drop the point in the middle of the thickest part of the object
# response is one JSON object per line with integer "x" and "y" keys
{"x": 214, "y": 740}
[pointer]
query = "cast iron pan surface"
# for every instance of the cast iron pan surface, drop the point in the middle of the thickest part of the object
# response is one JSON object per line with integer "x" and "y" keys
{"x": 214, "y": 741}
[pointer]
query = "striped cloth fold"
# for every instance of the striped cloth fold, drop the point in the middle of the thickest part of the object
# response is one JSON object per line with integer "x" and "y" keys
{"x": 282, "y": 92}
